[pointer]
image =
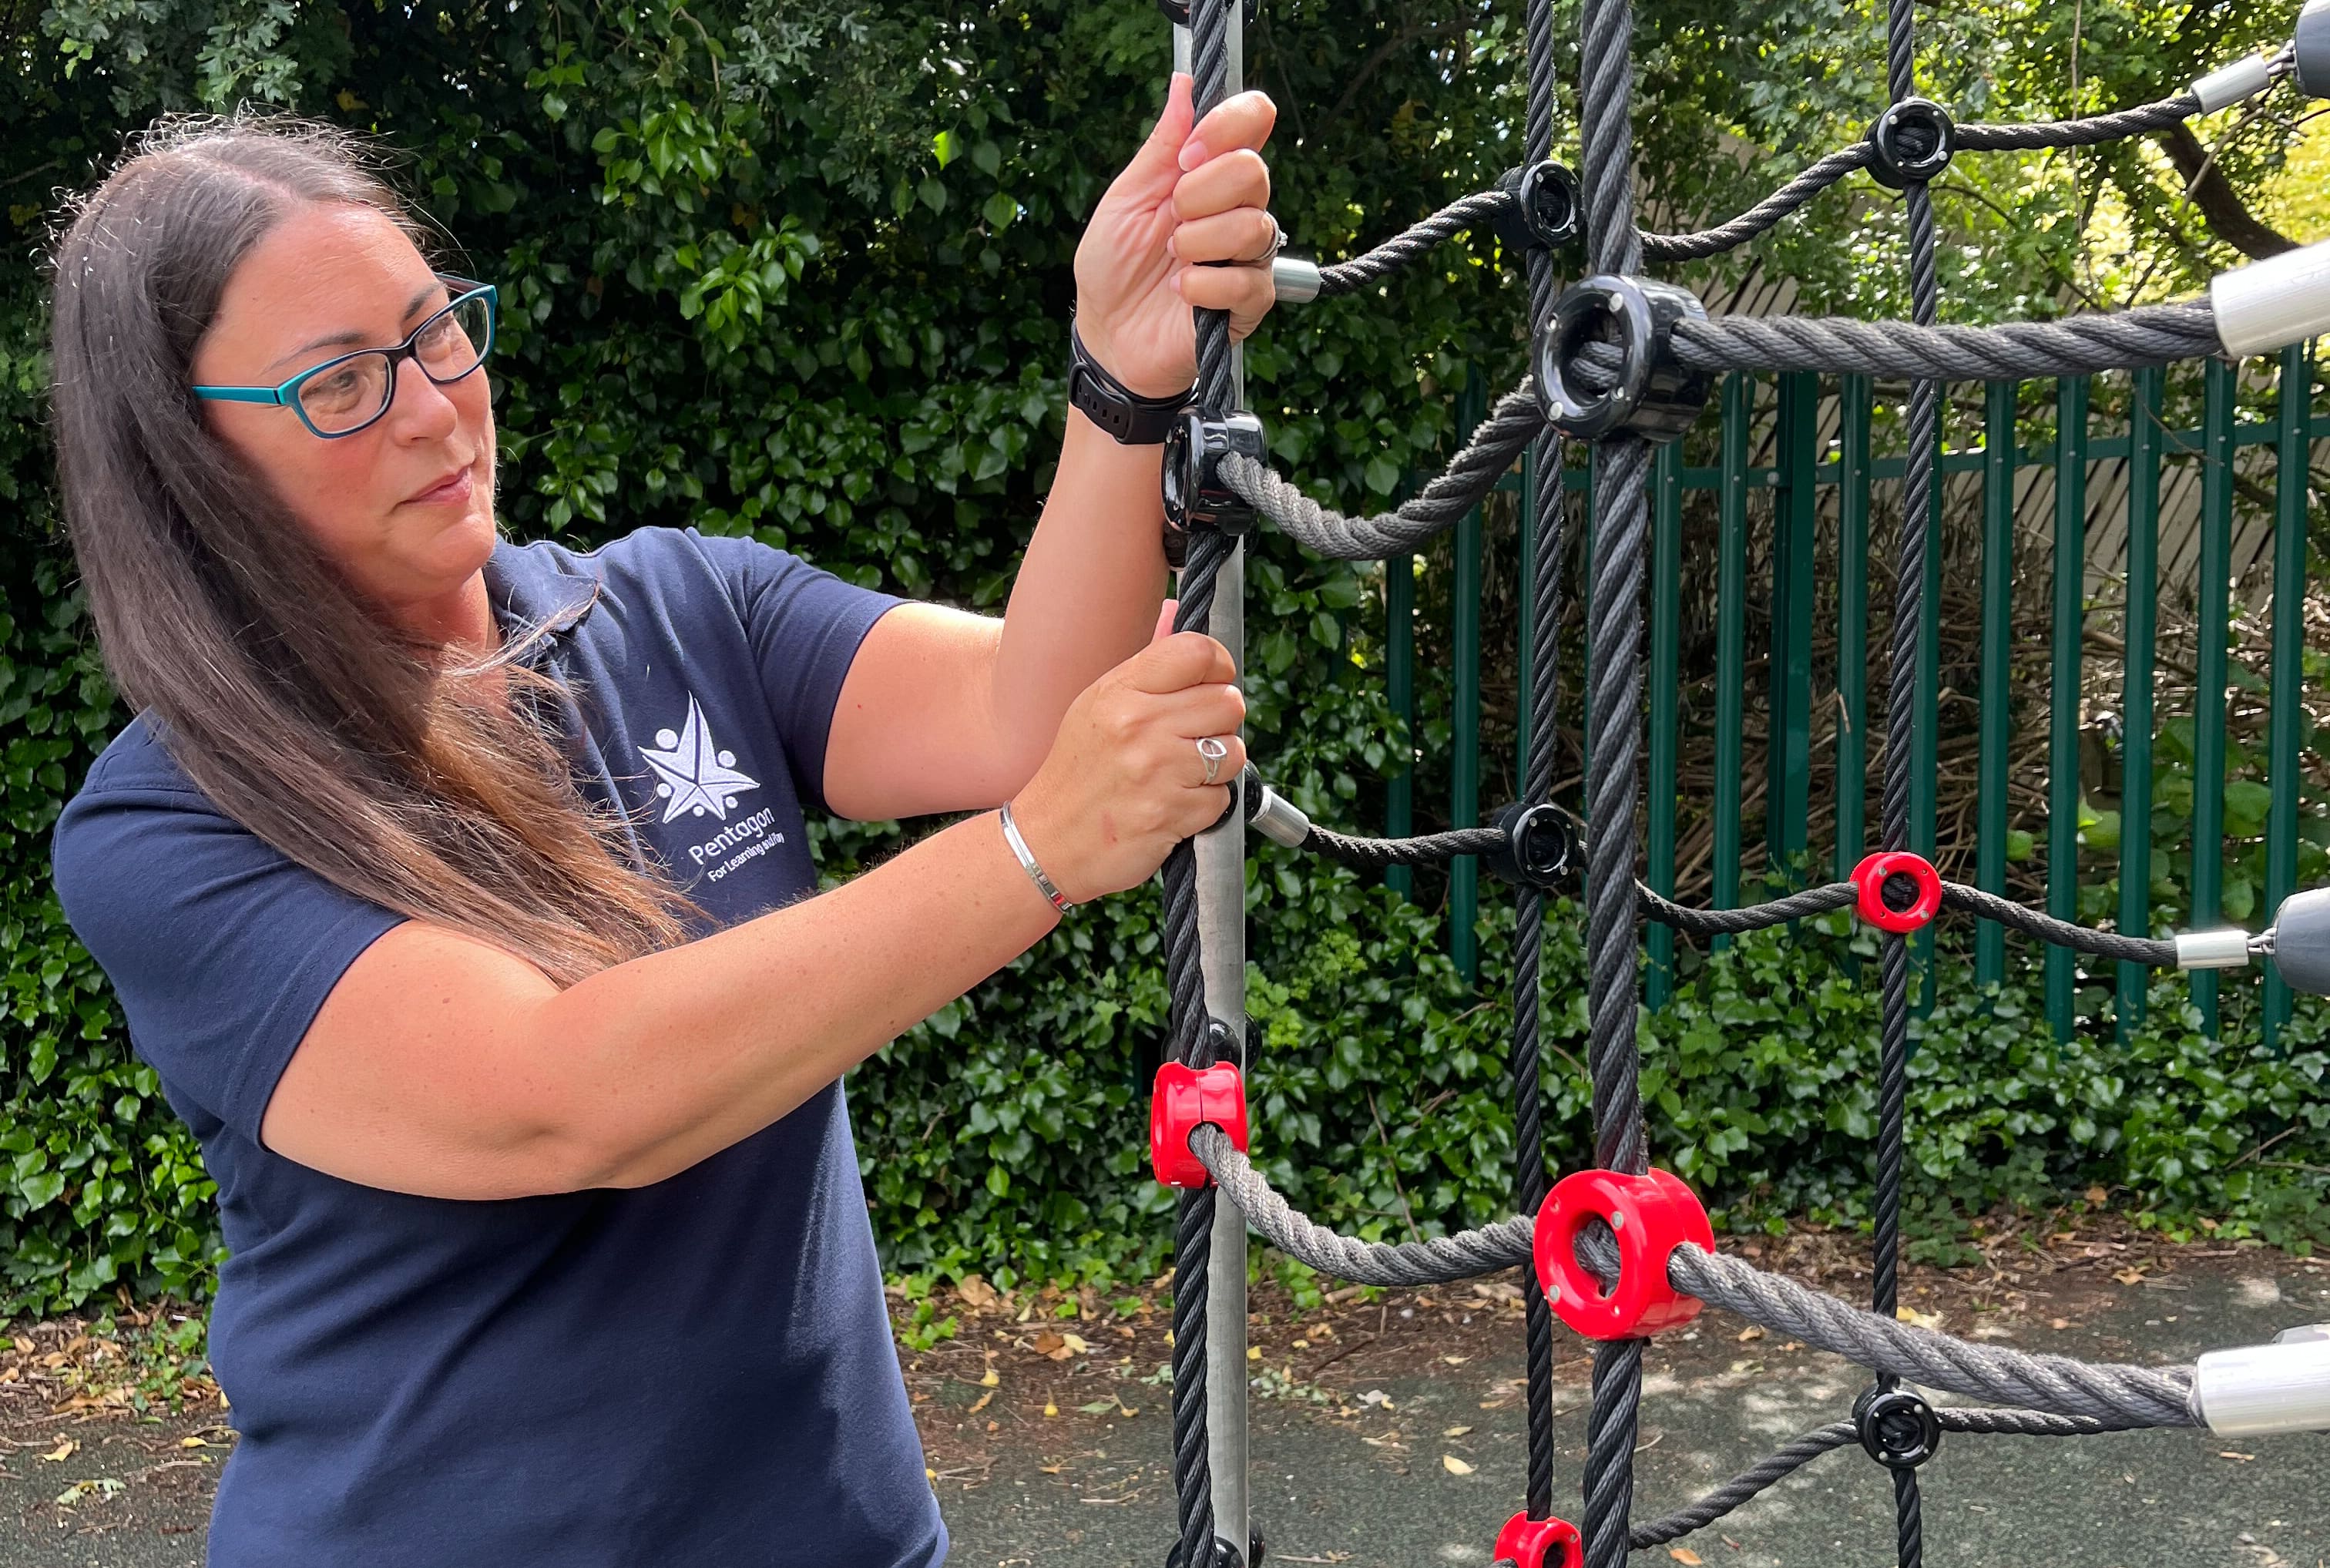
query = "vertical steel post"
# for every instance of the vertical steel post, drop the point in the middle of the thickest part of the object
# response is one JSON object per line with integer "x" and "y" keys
{"x": 2291, "y": 446}
{"x": 1221, "y": 938}
{"x": 1666, "y": 658}
{"x": 1853, "y": 401}
{"x": 1997, "y": 635}
{"x": 2063, "y": 690}
{"x": 2139, "y": 627}
{"x": 1730, "y": 639}
{"x": 2215, "y": 586}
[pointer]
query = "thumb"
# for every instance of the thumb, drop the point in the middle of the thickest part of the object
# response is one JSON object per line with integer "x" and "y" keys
{"x": 1159, "y": 161}
{"x": 1165, "y": 614}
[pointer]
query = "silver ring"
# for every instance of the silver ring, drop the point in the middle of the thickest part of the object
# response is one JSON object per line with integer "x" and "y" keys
{"x": 1214, "y": 751}
{"x": 1277, "y": 240}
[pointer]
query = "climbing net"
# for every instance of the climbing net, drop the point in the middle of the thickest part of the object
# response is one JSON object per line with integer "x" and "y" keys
{"x": 1621, "y": 1252}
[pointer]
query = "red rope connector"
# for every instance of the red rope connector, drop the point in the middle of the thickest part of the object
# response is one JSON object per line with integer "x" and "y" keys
{"x": 1186, "y": 1098}
{"x": 1870, "y": 876}
{"x": 1527, "y": 1542}
{"x": 1650, "y": 1215}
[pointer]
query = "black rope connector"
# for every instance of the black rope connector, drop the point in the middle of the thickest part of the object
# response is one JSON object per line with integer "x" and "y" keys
{"x": 1194, "y": 493}
{"x": 1539, "y": 845}
{"x": 1543, "y": 215}
{"x": 1897, "y": 1427}
{"x": 1176, "y": 11}
{"x": 1911, "y": 143}
{"x": 1654, "y": 395}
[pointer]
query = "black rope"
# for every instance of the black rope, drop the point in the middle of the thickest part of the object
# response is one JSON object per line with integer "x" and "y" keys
{"x": 1375, "y": 265}
{"x": 2159, "y": 954}
{"x": 1753, "y": 917}
{"x": 1426, "y": 849}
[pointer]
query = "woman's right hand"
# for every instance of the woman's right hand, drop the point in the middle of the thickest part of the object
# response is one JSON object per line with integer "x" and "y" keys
{"x": 1125, "y": 781}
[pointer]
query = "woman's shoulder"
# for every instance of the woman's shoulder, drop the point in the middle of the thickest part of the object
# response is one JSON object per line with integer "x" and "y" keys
{"x": 136, "y": 762}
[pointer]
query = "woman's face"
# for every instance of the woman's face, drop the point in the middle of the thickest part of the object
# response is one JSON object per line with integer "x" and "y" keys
{"x": 329, "y": 280}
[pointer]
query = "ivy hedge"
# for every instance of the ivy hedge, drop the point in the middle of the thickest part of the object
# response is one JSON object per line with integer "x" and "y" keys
{"x": 800, "y": 268}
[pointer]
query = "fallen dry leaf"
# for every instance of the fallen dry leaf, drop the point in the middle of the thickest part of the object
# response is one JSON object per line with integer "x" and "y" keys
{"x": 1684, "y": 1555}
{"x": 983, "y": 1402}
{"x": 1753, "y": 1331}
{"x": 976, "y": 1292}
{"x": 1456, "y": 1432}
{"x": 1454, "y": 1466}
{"x": 990, "y": 1380}
{"x": 66, "y": 1448}
{"x": 1050, "y": 1410}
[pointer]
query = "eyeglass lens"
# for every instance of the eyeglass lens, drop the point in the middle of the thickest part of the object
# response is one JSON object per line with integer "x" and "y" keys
{"x": 356, "y": 390}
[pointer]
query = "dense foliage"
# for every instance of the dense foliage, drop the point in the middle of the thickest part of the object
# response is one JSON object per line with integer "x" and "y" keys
{"x": 801, "y": 269}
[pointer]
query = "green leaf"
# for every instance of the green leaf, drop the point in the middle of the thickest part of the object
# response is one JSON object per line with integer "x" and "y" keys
{"x": 999, "y": 210}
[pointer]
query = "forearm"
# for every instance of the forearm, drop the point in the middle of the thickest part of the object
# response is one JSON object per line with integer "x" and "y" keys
{"x": 668, "y": 1058}
{"x": 1087, "y": 593}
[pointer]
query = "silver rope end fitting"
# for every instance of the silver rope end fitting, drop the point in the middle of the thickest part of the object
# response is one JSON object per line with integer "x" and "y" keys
{"x": 2299, "y": 941}
{"x": 2219, "y": 949}
{"x": 1194, "y": 493}
{"x": 1911, "y": 143}
{"x": 1539, "y": 843}
{"x": 2271, "y": 304}
{"x": 2310, "y": 49}
{"x": 1273, "y": 814}
{"x": 2284, "y": 1386}
{"x": 1543, "y": 213}
{"x": 2228, "y": 85}
{"x": 1655, "y": 396}
{"x": 1293, "y": 280}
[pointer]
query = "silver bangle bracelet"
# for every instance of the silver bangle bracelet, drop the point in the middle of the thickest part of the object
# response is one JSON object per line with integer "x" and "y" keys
{"x": 1028, "y": 863}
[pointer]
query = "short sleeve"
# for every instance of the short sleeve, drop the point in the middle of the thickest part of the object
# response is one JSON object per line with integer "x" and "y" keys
{"x": 221, "y": 949}
{"x": 805, "y": 625}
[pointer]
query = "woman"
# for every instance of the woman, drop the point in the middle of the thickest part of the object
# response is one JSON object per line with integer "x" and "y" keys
{"x": 456, "y": 890}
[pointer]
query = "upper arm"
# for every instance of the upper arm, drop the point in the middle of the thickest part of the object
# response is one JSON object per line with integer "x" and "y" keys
{"x": 332, "y": 1030}
{"x": 914, "y": 729}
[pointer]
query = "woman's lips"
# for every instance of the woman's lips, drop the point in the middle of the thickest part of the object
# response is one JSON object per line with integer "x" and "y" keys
{"x": 455, "y": 489}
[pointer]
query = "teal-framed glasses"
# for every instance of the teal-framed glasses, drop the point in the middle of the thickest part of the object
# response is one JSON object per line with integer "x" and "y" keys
{"x": 341, "y": 396}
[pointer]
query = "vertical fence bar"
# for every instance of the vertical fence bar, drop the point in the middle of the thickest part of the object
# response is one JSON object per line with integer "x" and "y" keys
{"x": 2215, "y": 571}
{"x": 1997, "y": 647}
{"x": 1924, "y": 727}
{"x": 1464, "y": 766}
{"x": 2291, "y": 449}
{"x": 1666, "y": 658}
{"x": 1399, "y": 691}
{"x": 1787, "y": 795}
{"x": 2139, "y": 626}
{"x": 1853, "y": 401}
{"x": 1730, "y": 639}
{"x": 2063, "y": 692}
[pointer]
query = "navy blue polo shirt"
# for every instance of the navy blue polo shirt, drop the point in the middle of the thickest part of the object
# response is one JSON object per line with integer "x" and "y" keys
{"x": 699, "y": 1372}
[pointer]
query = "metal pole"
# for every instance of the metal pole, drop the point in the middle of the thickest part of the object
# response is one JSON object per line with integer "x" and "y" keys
{"x": 1221, "y": 943}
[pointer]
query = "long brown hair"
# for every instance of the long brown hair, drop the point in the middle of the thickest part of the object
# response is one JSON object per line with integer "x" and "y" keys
{"x": 291, "y": 702}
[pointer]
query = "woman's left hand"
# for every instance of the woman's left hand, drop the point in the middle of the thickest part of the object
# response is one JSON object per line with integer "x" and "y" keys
{"x": 1190, "y": 196}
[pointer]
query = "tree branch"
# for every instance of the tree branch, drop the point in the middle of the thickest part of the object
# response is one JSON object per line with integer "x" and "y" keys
{"x": 2227, "y": 217}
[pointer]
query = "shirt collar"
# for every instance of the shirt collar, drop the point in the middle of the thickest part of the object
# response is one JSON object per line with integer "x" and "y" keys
{"x": 536, "y": 598}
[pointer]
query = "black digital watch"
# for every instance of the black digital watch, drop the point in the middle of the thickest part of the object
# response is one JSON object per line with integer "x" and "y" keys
{"x": 1130, "y": 419}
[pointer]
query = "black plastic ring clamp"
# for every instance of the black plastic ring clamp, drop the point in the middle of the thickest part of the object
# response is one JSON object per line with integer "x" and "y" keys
{"x": 1897, "y": 1428}
{"x": 1911, "y": 143}
{"x": 1544, "y": 210}
{"x": 1655, "y": 396}
{"x": 1539, "y": 846}
{"x": 1194, "y": 494}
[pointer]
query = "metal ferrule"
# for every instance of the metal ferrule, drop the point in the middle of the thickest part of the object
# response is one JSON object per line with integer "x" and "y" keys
{"x": 2236, "y": 83}
{"x": 1277, "y": 819}
{"x": 1295, "y": 280}
{"x": 2224, "y": 949}
{"x": 2259, "y": 1389}
{"x": 2271, "y": 304}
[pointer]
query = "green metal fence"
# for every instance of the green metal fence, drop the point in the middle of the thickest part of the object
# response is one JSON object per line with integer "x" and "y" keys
{"x": 1803, "y": 468}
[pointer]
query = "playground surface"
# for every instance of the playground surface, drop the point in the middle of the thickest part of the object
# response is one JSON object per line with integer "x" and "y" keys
{"x": 1388, "y": 1431}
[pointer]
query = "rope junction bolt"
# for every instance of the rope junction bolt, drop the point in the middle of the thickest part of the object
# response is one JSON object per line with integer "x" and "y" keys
{"x": 1539, "y": 844}
{"x": 1526, "y": 1542}
{"x": 1897, "y": 1428}
{"x": 1912, "y": 144}
{"x": 1875, "y": 871}
{"x": 2299, "y": 940}
{"x": 1194, "y": 493}
{"x": 1185, "y": 1098}
{"x": 2311, "y": 49}
{"x": 1655, "y": 396}
{"x": 1649, "y": 1216}
{"x": 1543, "y": 214}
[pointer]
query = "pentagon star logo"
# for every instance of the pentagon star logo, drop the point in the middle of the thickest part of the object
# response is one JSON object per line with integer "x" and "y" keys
{"x": 695, "y": 775}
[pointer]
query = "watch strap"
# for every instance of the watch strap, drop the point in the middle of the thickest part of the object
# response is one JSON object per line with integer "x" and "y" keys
{"x": 1130, "y": 419}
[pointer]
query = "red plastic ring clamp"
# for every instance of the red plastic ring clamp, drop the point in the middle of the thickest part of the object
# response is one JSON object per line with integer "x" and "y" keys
{"x": 1870, "y": 876}
{"x": 1186, "y": 1098}
{"x": 1650, "y": 1215}
{"x": 1527, "y": 1542}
